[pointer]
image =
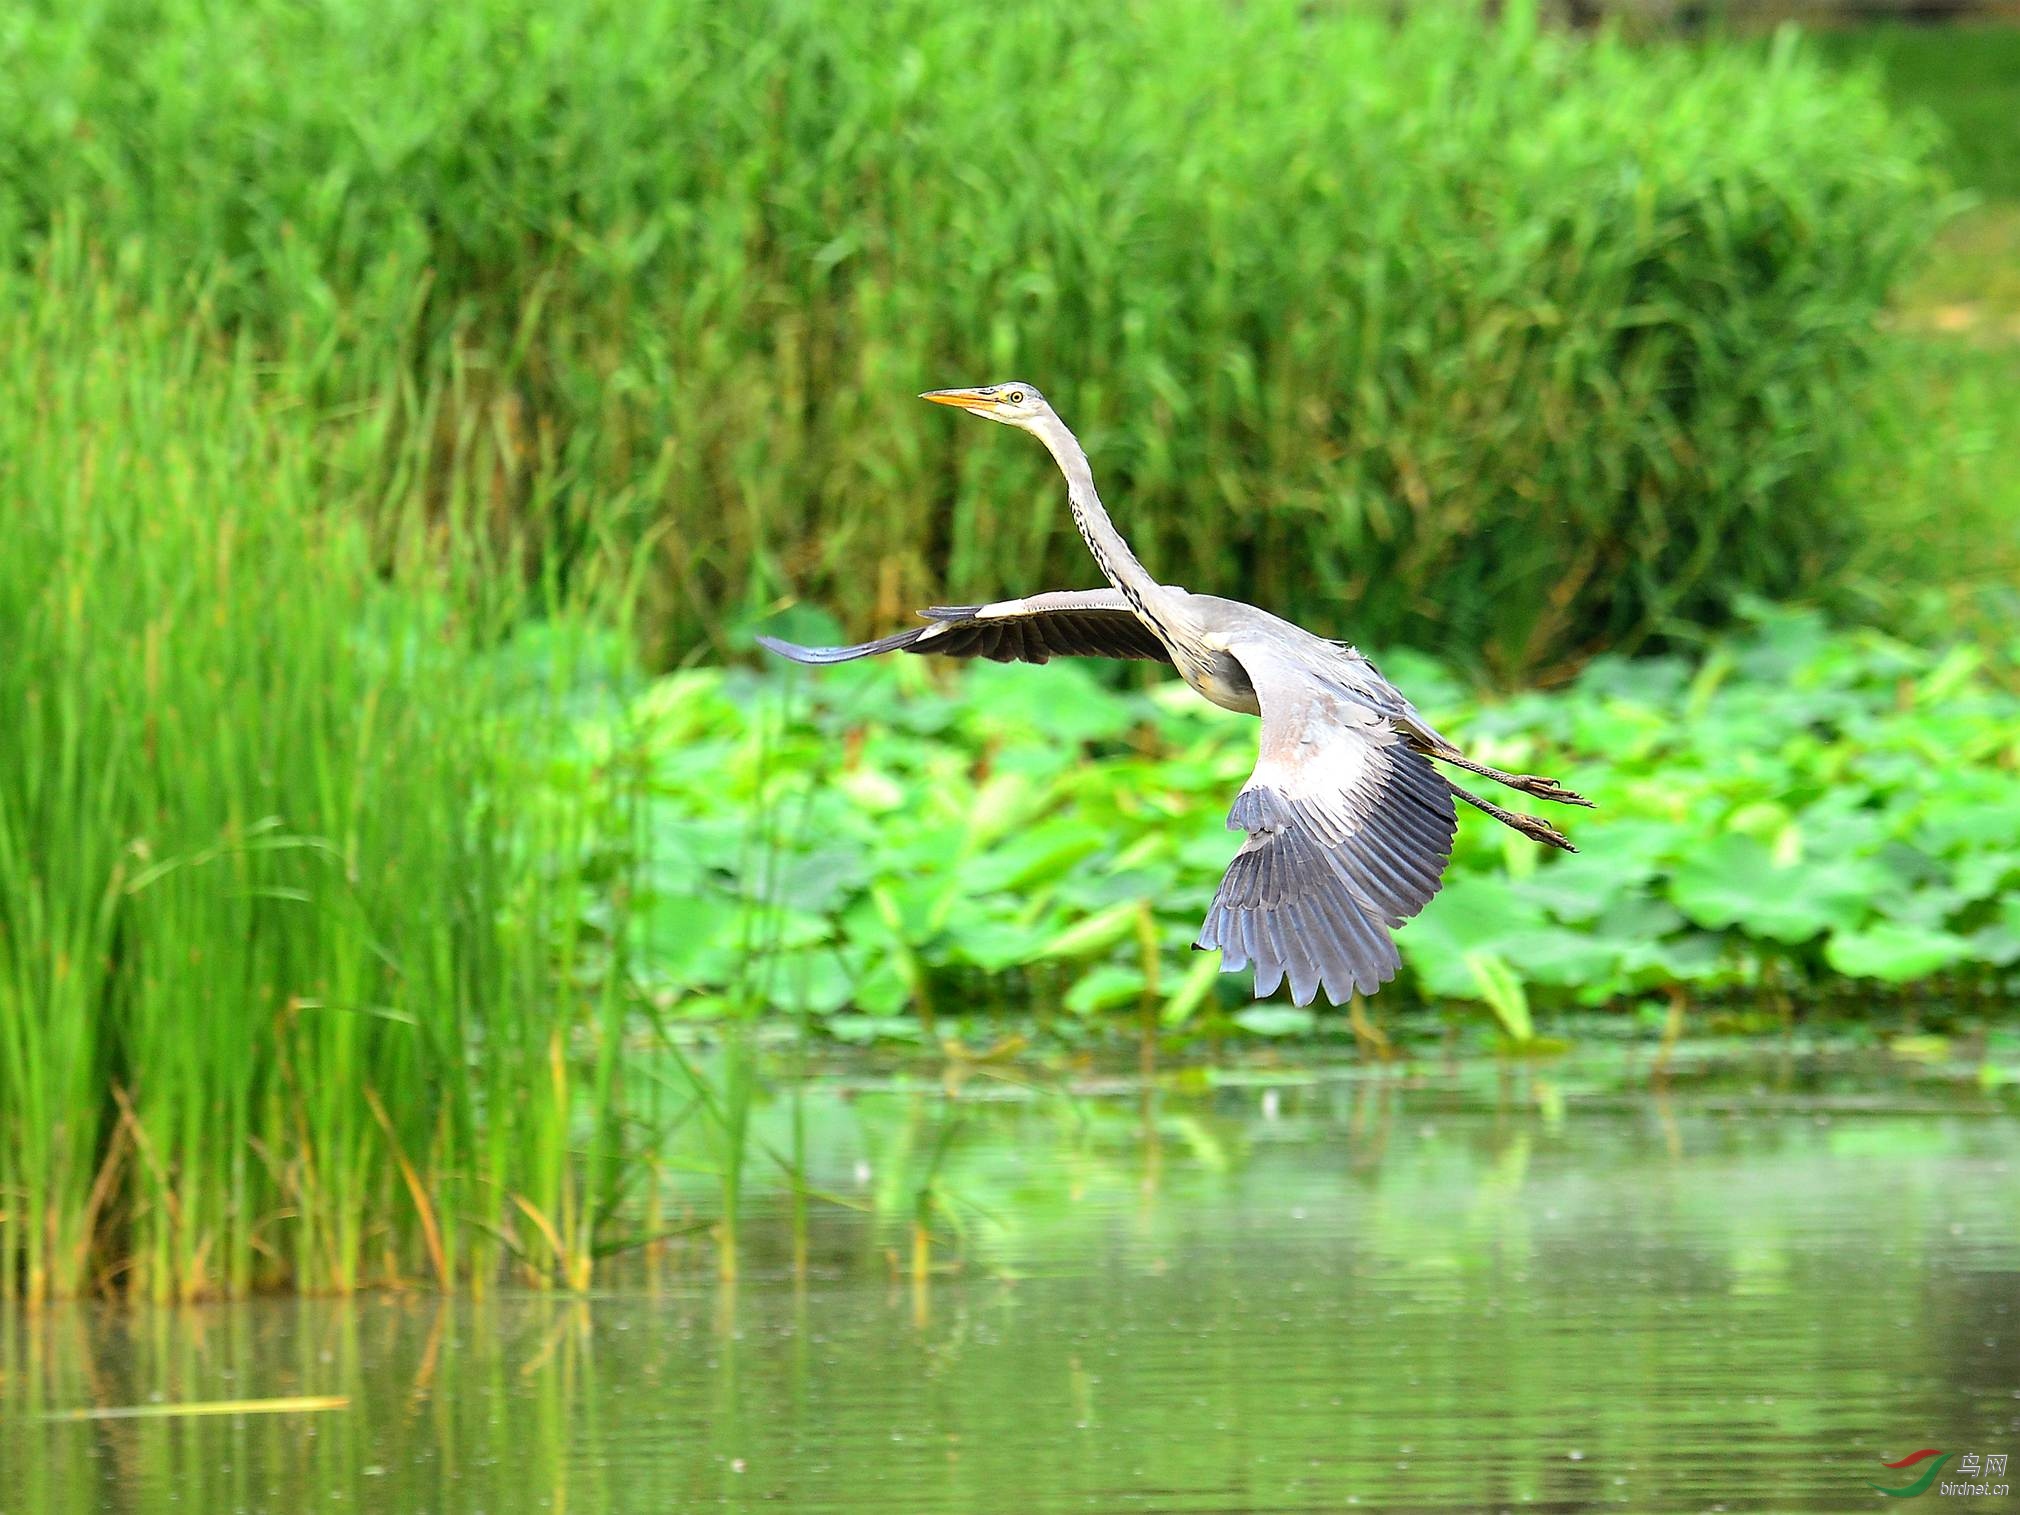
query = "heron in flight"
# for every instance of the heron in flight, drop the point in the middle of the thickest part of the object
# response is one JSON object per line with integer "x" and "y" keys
{"x": 1349, "y": 823}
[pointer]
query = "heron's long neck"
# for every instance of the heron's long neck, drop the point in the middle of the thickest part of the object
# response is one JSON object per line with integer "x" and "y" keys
{"x": 1111, "y": 553}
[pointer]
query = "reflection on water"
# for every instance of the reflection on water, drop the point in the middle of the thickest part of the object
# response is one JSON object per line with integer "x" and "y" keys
{"x": 1283, "y": 1292}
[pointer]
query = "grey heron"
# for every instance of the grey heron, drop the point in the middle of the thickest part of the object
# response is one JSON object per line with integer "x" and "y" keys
{"x": 1349, "y": 824}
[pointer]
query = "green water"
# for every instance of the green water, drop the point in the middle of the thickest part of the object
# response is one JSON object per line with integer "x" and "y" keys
{"x": 1476, "y": 1289}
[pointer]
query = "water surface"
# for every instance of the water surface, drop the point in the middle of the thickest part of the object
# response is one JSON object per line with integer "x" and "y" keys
{"x": 1278, "y": 1290}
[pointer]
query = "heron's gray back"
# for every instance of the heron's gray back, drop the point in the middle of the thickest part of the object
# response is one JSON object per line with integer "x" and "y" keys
{"x": 1272, "y": 646}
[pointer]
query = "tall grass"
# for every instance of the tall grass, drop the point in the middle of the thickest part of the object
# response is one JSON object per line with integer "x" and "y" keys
{"x": 286, "y": 939}
{"x": 1462, "y": 334}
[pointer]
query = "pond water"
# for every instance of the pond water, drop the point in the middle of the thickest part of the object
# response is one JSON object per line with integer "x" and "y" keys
{"x": 1270, "y": 1290}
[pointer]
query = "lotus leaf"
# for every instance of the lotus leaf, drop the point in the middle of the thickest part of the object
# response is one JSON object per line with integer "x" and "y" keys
{"x": 1895, "y": 951}
{"x": 1733, "y": 880}
{"x": 1275, "y": 1020}
{"x": 1775, "y": 794}
{"x": 1105, "y": 988}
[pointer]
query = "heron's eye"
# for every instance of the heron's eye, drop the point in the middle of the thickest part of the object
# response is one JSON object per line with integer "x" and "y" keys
{"x": 1016, "y": 397}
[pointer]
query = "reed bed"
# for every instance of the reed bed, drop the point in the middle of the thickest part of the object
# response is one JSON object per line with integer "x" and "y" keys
{"x": 286, "y": 944}
{"x": 1468, "y": 335}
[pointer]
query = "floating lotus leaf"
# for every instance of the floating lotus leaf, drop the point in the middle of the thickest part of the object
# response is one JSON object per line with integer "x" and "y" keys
{"x": 1895, "y": 952}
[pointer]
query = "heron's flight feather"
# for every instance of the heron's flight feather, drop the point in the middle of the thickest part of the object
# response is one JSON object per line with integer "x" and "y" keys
{"x": 1072, "y": 623}
{"x": 1349, "y": 831}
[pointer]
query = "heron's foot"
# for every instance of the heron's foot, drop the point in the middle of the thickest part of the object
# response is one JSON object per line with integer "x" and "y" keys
{"x": 1538, "y": 830}
{"x": 1532, "y": 826}
{"x": 1542, "y": 788}
{"x": 1535, "y": 784}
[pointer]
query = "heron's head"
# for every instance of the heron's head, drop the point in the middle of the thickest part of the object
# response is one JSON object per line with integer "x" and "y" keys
{"x": 1014, "y": 402}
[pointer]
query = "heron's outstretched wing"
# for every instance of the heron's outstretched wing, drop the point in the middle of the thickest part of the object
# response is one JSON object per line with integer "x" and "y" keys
{"x": 1349, "y": 832}
{"x": 1073, "y": 623}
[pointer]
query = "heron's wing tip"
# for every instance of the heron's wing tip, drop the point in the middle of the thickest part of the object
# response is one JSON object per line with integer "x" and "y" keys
{"x": 1061, "y": 623}
{"x": 819, "y": 656}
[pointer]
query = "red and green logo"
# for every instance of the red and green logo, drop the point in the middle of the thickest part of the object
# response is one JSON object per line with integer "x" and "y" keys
{"x": 1920, "y": 1485}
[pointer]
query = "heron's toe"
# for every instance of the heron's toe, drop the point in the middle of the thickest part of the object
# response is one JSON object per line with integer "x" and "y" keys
{"x": 1549, "y": 789}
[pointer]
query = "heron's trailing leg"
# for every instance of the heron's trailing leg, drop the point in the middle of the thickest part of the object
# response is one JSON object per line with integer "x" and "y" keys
{"x": 1532, "y": 784}
{"x": 1532, "y": 826}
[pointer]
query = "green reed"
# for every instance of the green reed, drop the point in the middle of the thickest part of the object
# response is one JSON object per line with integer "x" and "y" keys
{"x": 1569, "y": 329}
{"x": 288, "y": 933}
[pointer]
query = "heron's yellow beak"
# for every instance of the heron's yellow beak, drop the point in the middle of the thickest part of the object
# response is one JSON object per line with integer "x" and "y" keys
{"x": 966, "y": 399}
